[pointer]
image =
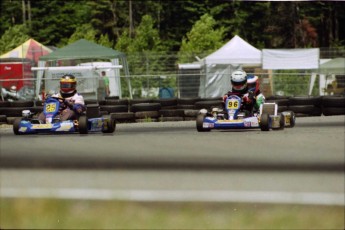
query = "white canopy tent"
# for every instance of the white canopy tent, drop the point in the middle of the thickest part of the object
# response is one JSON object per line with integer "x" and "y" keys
{"x": 219, "y": 65}
{"x": 290, "y": 58}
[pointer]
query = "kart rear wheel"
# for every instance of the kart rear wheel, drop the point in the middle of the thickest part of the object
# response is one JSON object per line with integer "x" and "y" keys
{"x": 292, "y": 119}
{"x": 110, "y": 124}
{"x": 83, "y": 125}
{"x": 282, "y": 122}
{"x": 199, "y": 123}
{"x": 264, "y": 122}
{"x": 16, "y": 124}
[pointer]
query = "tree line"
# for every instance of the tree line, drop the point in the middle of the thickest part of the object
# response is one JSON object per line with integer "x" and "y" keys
{"x": 184, "y": 26}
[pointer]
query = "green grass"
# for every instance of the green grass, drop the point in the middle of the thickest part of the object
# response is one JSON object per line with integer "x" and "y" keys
{"x": 85, "y": 214}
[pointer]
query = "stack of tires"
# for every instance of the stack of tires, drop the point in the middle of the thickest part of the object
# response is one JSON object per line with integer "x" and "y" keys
{"x": 306, "y": 106}
{"x": 13, "y": 109}
{"x": 92, "y": 108}
{"x": 118, "y": 109}
{"x": 333, "y": 105}
{"x": 209, "y": 103}
{"x": 145, "y": 110}
{"x": 281, "y": 101}
{"x": 186, "y": 106}
{"x": 169, "y": 111}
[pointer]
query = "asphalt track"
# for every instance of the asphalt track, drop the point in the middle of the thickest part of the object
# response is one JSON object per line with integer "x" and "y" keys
{"x": 171, "y": 161}
{"x": 315, "y": 143}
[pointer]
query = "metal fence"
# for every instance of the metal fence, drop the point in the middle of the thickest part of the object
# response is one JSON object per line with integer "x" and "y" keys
{"x": 157, "y": 75}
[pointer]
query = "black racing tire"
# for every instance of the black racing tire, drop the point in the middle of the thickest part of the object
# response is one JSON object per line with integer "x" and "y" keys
{"x": 187, "y": 101}
{"x": 16, "y": 124}
{"x": 332, "y": 111}
{"x": 167, "y": 101}
{"x": 39, "y": 103}
{"x": 83, "y": 125}
{"x": 333, "y": 101}
{"x": 146, "y": 114}
{"x": 265, "y": 122}
{"x": 171, "y": 113}
{"x": 199, "y": 122}
{"x": 142, "y": 107}
{"x": 13, "y": 111}
{"x": 117, "y": 102}
{"x": 112, "y": 98}
{"x": 3, "y": 118}
{"x": 305, "y": 100}
{"x": 163, "y": 119}
{"x": 21, "y": 104}
{"x": 114, "y": 108}
{"x": 185, "y": 106}
{"x": 209, "y": 104}
{"x": 190, "y": 113}
{"x": 211, "y": 99}
{"x": 111, "y": 124}
{"x": 305, "y": 109}
{"x": 90, "y": 101}
{"x": 5, "y": 104}
{"x": 139, "y": 101}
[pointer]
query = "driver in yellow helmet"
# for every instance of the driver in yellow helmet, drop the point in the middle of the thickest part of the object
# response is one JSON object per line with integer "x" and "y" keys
{"x": 73, "y": 104}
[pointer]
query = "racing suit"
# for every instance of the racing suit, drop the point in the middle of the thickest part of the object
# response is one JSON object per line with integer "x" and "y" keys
{"x": 70, "y": 109}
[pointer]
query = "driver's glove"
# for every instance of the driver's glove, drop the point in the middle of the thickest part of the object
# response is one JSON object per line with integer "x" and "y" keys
{"x": 69, "y": 103}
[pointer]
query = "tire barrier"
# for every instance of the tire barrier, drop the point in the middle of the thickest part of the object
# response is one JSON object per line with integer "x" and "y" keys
{"x": 178, "y": 109}
{"x": 306, "y": 106}
{"x": 333, "y": 105}
{"x": 93, "y": 110}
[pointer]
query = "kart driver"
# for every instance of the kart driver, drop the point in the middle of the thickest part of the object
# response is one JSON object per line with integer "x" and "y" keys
{"x": 254, "y": 89}
{"x": 239, "y": 87}
{"x": 72, "y": 103}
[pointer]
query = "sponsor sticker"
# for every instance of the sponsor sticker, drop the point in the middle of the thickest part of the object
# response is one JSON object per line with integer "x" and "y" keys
{"x": 42, "y": 126}
{"x": 65, "y": 126}
{"x": 23, "y": 129}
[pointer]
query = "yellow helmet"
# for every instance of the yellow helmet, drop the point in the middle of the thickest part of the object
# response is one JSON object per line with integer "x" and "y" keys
{"x": 68, "y": 84}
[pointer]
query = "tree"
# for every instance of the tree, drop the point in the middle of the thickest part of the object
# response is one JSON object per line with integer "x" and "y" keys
{"x": 145, "y": 52}
{"x": 202, "y": 38}
{"x": 85, "y": 31}
{"x": 13, "y": 37}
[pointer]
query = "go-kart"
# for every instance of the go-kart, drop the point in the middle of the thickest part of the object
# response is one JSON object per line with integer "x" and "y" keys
{"x": 233, "y": 116}
{"x": 27, "y": 124}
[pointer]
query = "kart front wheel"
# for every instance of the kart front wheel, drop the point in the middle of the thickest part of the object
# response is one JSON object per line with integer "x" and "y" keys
{"x": 83, "y": 125}
{"x": 16, "y": 124}
{"x": 109, "y": 123}
{"x": 265, "y": 122}
{"x": 199, "y": 123}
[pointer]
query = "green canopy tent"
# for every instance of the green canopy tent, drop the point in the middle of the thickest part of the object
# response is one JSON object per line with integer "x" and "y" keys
{"x": 334, "y": 66}
{"x": 327, "y": 72}
{"x": 85, "y": 50}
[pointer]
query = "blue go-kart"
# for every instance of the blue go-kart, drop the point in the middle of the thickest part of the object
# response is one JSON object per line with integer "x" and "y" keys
{"x": 29, "y": 125}
{"x": 234, "y": 117}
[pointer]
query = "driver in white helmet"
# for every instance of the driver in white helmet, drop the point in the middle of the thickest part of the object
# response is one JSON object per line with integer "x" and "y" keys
{"x": 73, "y": 104}
{"x": 239, "y": 87}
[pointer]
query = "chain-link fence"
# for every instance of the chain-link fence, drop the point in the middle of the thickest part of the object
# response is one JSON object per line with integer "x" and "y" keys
{"x": 160, "y": 75}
